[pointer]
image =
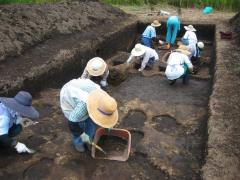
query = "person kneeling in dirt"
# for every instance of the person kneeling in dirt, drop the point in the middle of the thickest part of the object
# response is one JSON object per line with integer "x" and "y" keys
{"x": 96, "y": 70}
{"x": 149, "y": 34}
{"x": 146, "y": 55}
{"x": 11, "y": 112}
{"x": 85, "y": 106}
{"x": 178, "y": 66}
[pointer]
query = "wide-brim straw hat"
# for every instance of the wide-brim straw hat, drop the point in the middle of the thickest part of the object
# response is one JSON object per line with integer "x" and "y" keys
{"x": 138, "y": 50}
{"x": 155, "y": 23}
{"x": 96, "y": 66}
{"x": 190, "y": 28}
{"x": 102, "y": 108}
{"x": 21, "y": 103}
{"x": 183, "y": 49}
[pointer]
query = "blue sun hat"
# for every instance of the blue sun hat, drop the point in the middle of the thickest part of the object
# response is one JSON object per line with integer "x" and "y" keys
{"x": 21, "y": 103}
{"x": 207, "y": 10}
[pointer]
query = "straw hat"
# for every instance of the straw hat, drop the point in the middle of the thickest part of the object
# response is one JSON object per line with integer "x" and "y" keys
{"x": 102, "y": 108}
{"x": 21, "y": 103}
{"x": 155, "y": 23}
{"x": 183, "y": 49}
{"x": 96, "y": 66}
{"x": 200, "y": 45}
{"x": 138, "y": 50}
{"x": 190, "y": 28}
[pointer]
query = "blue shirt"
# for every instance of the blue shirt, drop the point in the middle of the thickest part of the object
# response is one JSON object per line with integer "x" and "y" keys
{"x": 8, "y": 117}
{"x": 150, "y": 32}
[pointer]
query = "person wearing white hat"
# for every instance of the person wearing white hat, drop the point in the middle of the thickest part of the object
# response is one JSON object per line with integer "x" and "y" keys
{"x": 190, "y": 36}
{"x": 150, "y": 33}
{"x": 178, "y": 66}
{"x": 146, "y": 55}
{"x": 11, "y": 112}
{"x": 86, "y": 106}
{"x": 96, "y": 68}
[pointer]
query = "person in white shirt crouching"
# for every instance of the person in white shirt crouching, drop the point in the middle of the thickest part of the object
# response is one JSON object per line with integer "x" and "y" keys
{"x": 146, "y": 56}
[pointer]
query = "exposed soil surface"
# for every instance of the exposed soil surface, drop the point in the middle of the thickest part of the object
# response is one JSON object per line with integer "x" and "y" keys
{"x": 168, "y": 124}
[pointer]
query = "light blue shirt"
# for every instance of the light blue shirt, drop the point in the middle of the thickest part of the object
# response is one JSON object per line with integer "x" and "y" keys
{"x": 8, "y": 117}
{"x": 150, "y": 32}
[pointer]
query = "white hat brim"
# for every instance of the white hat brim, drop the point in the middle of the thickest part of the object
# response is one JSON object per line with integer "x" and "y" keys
{"x": 137, "y": 53}
{"x": 189, "y": 29}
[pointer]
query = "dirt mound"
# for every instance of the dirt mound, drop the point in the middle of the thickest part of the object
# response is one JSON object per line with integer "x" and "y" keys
{"x": 236, "y": 21}
{"x": 23, "y": 26}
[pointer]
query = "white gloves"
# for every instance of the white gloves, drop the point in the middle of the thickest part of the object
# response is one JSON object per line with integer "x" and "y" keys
{"x": 85, "y": 138}
{"x": 140, "y": 69}
{"x": 103, "y": 83}
{"x": 22, "y": 148}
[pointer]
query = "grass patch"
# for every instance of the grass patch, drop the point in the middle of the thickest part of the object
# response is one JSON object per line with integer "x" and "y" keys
{"x": 221, "y": 5}
{"x": 27, "y": 1}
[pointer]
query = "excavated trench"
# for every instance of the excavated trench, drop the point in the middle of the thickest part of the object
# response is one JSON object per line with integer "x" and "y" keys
{"x": 168, "y": 124}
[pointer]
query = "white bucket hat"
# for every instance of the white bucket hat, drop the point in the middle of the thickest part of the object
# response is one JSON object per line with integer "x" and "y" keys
{"x": 138, "y": 50}
{"x": 155, "y": 23}
{"x": 200, "y": 45}
{"x": 96, "y": 66}
{"x": 190, "y": 28}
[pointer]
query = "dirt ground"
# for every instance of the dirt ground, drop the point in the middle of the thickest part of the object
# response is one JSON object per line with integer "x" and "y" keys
{"x": 182, "y": 132}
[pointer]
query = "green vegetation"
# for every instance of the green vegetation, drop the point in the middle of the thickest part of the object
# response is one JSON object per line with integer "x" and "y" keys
{"x": 27, "y": 1}
{"x": 216, "y": 4}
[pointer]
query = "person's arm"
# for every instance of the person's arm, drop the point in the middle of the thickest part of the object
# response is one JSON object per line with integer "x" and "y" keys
{"x": 189, "y": 64}
{"x": 103, "y": 82}
{"x": 85, "y": 74}
{"x": 186, "y": 35}
{"x": 131, "y": 57}
{"x": 105, "y": 75}
{"x": 79, "y": 112}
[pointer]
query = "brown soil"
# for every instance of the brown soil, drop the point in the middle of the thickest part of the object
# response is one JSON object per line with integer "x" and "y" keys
{"x": 112, "y": 145}
{"x": 167, "y": 123}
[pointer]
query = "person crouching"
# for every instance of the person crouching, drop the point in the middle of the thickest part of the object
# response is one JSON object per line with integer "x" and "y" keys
{"x": 178, "y": 66}
{"x": 86, "y": 106}
{"x": 97, "y": 70}
{"x": 11, "y": 112}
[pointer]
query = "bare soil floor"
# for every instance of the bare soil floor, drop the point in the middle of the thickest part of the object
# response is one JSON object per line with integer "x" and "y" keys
{"x": 169, "y": 124}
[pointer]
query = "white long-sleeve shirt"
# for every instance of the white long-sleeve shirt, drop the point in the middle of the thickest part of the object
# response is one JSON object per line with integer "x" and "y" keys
{"x": 149, "y": 53}
{"x": 191, "y": 36}
{"x": 175, "y": 65}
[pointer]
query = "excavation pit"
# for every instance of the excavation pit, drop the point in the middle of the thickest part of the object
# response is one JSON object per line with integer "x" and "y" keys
{"x": 158, "y": 152}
